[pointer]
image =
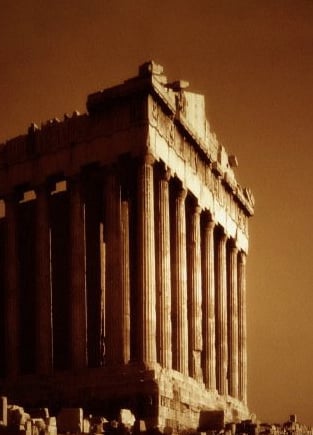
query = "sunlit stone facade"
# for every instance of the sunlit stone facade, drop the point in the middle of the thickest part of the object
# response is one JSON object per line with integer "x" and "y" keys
{"x": 124, "y": 237}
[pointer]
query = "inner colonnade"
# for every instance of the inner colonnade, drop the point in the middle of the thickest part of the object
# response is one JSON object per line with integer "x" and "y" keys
{"x": 120, "y": 265}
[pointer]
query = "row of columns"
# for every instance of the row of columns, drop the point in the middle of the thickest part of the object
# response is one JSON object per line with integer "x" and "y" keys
{"x": 43, "y": 282}
{"x": 222, "y": 340}
{"x": 191, "y": 302}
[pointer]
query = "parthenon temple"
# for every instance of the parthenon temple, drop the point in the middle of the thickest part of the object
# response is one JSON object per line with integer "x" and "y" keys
{"x": 124, "y": 238}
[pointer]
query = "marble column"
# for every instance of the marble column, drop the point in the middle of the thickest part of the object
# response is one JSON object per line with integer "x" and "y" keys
{"x": 12, "y": 288}
{"x": 114, "y": 320}
{"x": 233, "y": 322}
{"x": 179, "y": 284}
{"x": 78, "y": 276}
{"x": 102, "y": 296}
{"x": 221, "y": 314}
{"x": 242, "y": 327}
{"x": 163, "y": 268}
{"x": 146, "y": 262}
{"x": 209, "y": 358}
{"x": 125, "y": 285}
{"x": 195, "y": 294}
{"x": 43, "y": 282}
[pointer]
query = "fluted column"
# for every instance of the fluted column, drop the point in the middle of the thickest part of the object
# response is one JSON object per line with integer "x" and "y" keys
{"x": 146, "y": 263}
{"x": 209, "y": 357}
{"x": 163, "y": 275}
{"x": 125, "y": 285}
{"x": 221, "y": 313}
{"x": 194, "y": 305}
{"x": 78, "y": 276}
{"x": 242, "y": 335}
{"x": 12, "y": 288}
{"x": 43, "y": 282}
{"x": 179, "y": 288}
{"x": 113, "y": 298}
{"x": 233, "y": 322}
{"x": 102, "y": 296}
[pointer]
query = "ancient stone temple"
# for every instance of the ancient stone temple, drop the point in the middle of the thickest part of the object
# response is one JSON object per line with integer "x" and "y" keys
{"x": 124, "y": 237}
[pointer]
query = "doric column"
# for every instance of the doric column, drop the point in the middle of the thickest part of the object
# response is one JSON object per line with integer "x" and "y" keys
{"x": 195, "y": 296}
{"x": 233, "y": 322}
{"x": 43, "y": 282}
{"x": 146, "y": 263}
{"x": 125, "y": 285}
{"x": 12, "y": 288}
{"x": 102, "y": 296}
{"x": 209, "y": 358}
{"x": 221, "y": 313}
{"x": 242, "y": 335}
{"x": 163, "y": 274}
{"x": 78, "y": 276}
{"x": 114, "y": 316}
{"x": 179, "y": 288}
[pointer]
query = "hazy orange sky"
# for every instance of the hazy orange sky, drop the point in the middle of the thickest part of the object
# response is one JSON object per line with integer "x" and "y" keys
{"x": 253, "y": 60}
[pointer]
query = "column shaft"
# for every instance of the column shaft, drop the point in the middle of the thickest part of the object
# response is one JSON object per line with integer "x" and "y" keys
{"x": 114, "y": 315}
{"x": 125, "y": 287}
{"x": 163, "y": 275}
{"x": 195, "y": 296}
{"x": 209, "y": 358}
{"x": 242, "y": 335}
{"x": 78, "y": 276}
{"x": 179, "y": 288}
{"x": 146, "y": 263}
{"x": 12, "y": 289}
{"x": 233, "y": 323}
{"x": 102, "y": 296}
{"x": 43, "y": 282}
{"x": 221, "y": 315}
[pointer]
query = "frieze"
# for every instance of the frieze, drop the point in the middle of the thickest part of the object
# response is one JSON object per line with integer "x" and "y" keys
{"x": 225, "y": 198}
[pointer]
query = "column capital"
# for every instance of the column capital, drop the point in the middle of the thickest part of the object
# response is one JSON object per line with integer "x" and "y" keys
{"x": 11, "y": 197}
{"x": 181, "y": 193}
{"x": 233, "y": 245}
{"x": 165, "y": 174}
{"x": 44, "y": 188}
{"x": 197, "y": 209}
{"x": 194, "y": 206}
{"x": 76, "y": 183}
{"x": 209, "y": 222}
{"x": 223, "y": 237}
{"x": 148, "y": 159}
{"x": 74, "y": 180}
{"x": 242, "y": 259}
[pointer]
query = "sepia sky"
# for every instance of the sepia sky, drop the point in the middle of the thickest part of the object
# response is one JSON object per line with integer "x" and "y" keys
{"x": 253, "y": 60}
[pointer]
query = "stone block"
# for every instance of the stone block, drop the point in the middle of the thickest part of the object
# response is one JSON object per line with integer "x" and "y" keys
{"x": 86, "y": 425}
{"x": 127, "y": 418}
{"x": 211, "y": 420}
{"x": 51, "y": 426}
{"x": 39, "y": 423}
{"x": 28, "y": 427}
{"x": 3, "y": 411}
{"x": 97, "y": 424}
{"x": 15, "y": 416}
{"x": 35, "y": 430}
{"x": 139, "y": 427}
{"x": 70, "y": 420}
{"x": 51, "y": 421}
